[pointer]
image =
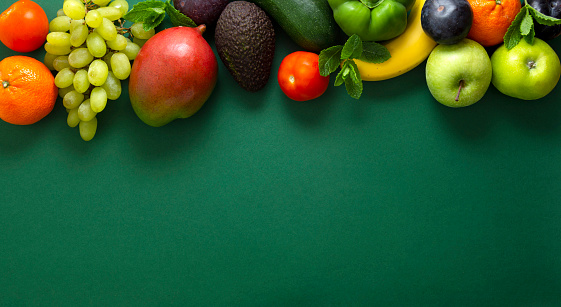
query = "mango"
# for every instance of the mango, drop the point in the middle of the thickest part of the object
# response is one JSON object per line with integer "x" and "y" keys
{"x": 173, "y": 75}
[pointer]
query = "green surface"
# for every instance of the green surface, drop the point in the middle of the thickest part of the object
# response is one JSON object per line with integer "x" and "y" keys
{"x": 257, "y": 200}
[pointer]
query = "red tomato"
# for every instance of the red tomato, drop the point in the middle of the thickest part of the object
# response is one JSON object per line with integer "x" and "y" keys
{"x": 299, "y": 76}
{"x": 24, "y": 26}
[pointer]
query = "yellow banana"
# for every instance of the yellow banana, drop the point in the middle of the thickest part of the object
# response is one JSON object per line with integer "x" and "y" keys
{"x": 408, "y": 50}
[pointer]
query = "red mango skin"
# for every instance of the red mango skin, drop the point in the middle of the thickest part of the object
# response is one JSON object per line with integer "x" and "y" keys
{"x": 172, "y": 76}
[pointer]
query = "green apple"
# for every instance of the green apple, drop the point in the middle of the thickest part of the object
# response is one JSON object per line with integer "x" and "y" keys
{"x": 526, "y": 71}
{"x": 458, "y": 75}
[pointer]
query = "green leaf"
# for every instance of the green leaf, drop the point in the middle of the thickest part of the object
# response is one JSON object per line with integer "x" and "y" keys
{"x": 177, "y": 18}
{"x": 529, "y": 38}
{"x": 526, "y": 24}
{"x": 373, "y": 52}
{"x": 340, "y": 79}
{"x": 145, "y": 10}
{"x": 513, "y": 36}
{"x": 353, "y": 81}
{"x": 352, "y": 48}
{"x": 329, "y": 60}
{"x": 350, "y": 76}
{"x": 542, "y": 18}
{"x": 153, "y": 21}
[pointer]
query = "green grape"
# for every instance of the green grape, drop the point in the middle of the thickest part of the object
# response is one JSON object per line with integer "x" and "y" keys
{"x": 101, "y": 2}
{"x": 97, "y": 72}
{"x": 74, "y": 9}
{"x": 72, "y": 99}
{"x": 112, "y": 86}
{"x": 120, "y": 65}
{"x": 137, "y": 31}
{"x": 73, "y": 119}
{"x": 60, "y": 24}
{"x": 63, "y": 91}
{"x": 78, "y": 35}
{"x": 75, "y": 23}
{"x": 80, "y": 57}
{"x": 94, "y": 19}
{"x": 88, "y": 129}
{"x": 91, "y": 56}
{"x": 138, "y": 41}
{"x": 119, "y": 43}
{"x": 131, "y": 50}
{"x": 81, "y": 82}
{"x": 110, "y": 12}
{"x": 59, "y": 39}
{"x": 123, "y": 5}
{"x": 107, "y": 58}
{"x": 61, "y": 62}
{"x": 107, "y": 30}
{"x": 57, "y": 50}
{"x": 85, "y": 111}
{"x": 98, "y": 99}
{"x": 96, "y": 44}
{"x": 49, "y": 59}
{"x": 64, "y": 78}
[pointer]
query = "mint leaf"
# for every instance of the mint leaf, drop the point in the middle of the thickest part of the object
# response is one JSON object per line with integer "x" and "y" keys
{"x": 350, "y": 76}
{"x": 145, "y": 10}
{"x": 177, "y": 18}
{"x": 542, "y": 18}
{"x": 340, "y": 79}
{"x": 353, "y": 81}
{"x": 526, "y": 24}
{"x": 151, "y": 13}
{"x": 373, "y": 52}
{"x": 329, "y": 60}
{"x": 352, "y": 48}
{"x": 513, "y": 36}
{"x": 154, "y": 19}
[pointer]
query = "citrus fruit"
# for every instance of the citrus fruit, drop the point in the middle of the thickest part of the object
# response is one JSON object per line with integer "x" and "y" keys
{"x": 24, "y": 26}
{"x": 27, "y": 91}
{"x": 491, "y": 19}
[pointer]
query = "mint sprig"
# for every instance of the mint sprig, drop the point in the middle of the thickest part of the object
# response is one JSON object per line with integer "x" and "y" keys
{"x": 330, "y": 60}
{"x": 152, "y": 12}
{"x": 523, "y": 26}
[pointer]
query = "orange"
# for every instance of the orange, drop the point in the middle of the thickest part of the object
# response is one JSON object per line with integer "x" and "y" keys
{"x": 27, "y": 91}
{"x": 491, "y": 19}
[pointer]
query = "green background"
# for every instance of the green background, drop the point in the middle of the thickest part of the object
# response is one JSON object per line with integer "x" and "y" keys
{"x": 257, "y": 200}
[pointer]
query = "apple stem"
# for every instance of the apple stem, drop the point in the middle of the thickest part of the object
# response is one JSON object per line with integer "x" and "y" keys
{"x": 459, "y": 90}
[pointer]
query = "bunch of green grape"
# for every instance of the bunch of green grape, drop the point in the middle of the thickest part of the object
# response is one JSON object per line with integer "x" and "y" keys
{"x": 91, "y": 51}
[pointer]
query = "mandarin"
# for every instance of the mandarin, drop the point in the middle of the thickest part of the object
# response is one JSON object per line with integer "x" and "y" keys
{"x": 491, "y": 19}
{"x": 27, "y": 92}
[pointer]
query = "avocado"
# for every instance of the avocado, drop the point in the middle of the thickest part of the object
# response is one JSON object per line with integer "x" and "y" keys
{"x": 245, "y": 42}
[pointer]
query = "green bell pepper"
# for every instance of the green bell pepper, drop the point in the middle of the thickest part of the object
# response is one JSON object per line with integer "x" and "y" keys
{"x": 371, "y": 20}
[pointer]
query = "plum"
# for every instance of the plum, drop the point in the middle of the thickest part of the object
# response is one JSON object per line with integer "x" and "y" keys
{"x": 550, "y": 8}
{"x": 446, "y": 21}
{"x": 201, "y": 11}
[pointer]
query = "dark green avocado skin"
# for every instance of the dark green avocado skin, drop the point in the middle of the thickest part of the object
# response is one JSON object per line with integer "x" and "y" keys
{"x": 245, "y": 42}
